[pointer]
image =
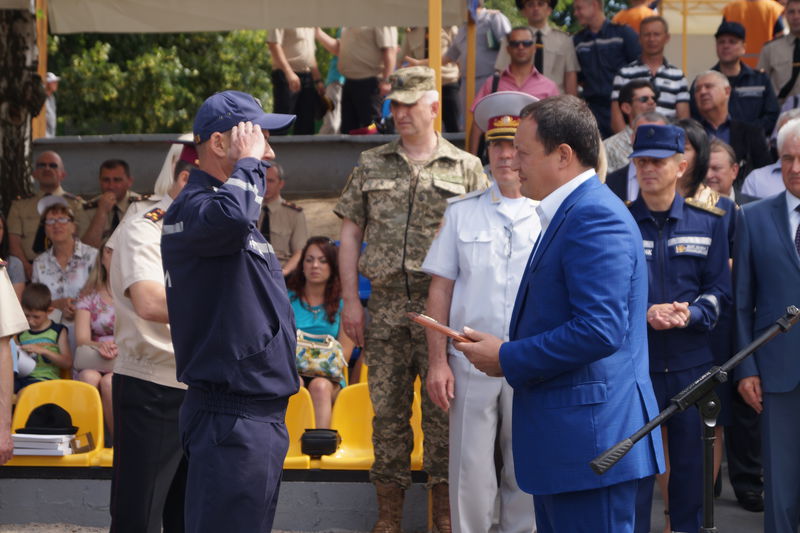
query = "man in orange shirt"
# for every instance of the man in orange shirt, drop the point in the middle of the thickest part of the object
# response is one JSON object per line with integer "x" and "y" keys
{"x": 762, "y": 21}
{"x": 634, "y": 15}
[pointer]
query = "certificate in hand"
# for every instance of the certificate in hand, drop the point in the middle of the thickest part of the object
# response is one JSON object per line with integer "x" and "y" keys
{"x": 428, "y": 322}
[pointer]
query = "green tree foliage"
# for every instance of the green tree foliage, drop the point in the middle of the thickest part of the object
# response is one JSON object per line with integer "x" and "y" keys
{"x": 152, "y": 83}
{"x": 562, "y": 14}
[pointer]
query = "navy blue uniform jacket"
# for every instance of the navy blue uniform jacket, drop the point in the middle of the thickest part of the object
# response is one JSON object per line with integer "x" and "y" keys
{"x": 232, "y": 325}
{"x": 577, "y": 358}
{"x": 688, "y": 262}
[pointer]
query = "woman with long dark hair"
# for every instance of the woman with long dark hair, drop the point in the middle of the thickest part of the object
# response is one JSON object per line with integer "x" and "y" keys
{"x": 697, "y": 155}
{"x": 316, "y": 297}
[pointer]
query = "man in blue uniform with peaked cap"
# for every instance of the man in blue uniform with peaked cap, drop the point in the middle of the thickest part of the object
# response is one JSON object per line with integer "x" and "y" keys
{"x": 232, "y": 326}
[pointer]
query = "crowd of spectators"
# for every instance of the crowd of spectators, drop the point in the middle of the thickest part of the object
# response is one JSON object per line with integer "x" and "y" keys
{"x": 731, "y": 117}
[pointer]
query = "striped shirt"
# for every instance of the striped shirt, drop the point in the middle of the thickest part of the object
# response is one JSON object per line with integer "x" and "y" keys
{"x": 669, "y": 81}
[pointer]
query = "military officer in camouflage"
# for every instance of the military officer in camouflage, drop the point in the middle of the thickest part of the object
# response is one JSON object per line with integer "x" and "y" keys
{"x": 25, "y": 233}
{"x": 394, "y": 200}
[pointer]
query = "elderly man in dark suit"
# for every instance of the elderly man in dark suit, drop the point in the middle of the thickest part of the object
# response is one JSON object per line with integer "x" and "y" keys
{"x": 767, "y": 279}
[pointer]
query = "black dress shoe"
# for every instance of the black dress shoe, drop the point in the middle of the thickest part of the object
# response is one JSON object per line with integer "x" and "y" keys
{"x": 751, "y": 501}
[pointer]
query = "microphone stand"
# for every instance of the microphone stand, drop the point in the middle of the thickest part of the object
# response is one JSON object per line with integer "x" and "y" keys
{"x": 700, "y": 394}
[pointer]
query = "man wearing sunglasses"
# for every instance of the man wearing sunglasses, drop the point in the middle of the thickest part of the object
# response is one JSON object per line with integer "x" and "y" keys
{"x": 26, "y": 235}
{"x": 635, "y": 98}
{"x": 520, "y": 76}
{"x": 554, "y": 55}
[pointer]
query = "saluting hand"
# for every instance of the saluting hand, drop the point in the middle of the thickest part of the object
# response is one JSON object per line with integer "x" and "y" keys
{"x": 247, "y": 140}
{"x": 483, "y": 352}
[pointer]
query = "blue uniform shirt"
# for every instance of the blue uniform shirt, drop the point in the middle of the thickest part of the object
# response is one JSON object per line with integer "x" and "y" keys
{"x": 601, "y": 55}
{"x": 687, "y": 261}
{"x": 232, "y": 325}
{"x": 752, "y": 99}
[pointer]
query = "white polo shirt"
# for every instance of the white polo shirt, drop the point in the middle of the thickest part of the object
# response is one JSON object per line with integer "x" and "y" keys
{"x": 483, "y": 245}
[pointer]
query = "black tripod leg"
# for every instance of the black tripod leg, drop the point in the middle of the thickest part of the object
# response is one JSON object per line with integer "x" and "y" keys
{"x": 709, "y": 407}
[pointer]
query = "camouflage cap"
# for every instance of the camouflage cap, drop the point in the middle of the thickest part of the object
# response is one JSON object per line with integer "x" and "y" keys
{"x": 409, "y": 84}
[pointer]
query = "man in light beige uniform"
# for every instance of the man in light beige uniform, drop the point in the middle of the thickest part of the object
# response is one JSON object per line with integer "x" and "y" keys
{"x": 104, "y": 212}
{"x": 296, "y": 81}
{"x": 282, "y": 223}
{"x": 25, "y": 239}
{"x": 149, "y": 469}
{"x": 12, "y": 321}
{"x": 777, "y": 56}
{"x": 415, "y": 46}
{"x": 559, "y": 62}
{"x": 366, "y": 59}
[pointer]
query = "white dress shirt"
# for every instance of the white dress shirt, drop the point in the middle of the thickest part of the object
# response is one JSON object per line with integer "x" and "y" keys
{"x": 483, "y": 244}
{"x": 764, "y": 181}
{"x": 548, "y": 207}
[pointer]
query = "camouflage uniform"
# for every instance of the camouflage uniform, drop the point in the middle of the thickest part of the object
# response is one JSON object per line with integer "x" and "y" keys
{"x": 399, "y": 206}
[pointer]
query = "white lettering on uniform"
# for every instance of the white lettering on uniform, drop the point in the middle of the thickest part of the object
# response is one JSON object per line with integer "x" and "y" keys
{"x": 167, "y": 279}
{"x": 261, "y": 247}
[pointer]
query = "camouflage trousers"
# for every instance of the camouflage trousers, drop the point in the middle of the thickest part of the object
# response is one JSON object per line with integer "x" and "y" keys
{"x": 396, "y": 353}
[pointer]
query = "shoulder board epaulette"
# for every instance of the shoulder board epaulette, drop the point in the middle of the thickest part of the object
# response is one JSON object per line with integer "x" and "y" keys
{"x": 708, "y": 208}
{"x": 70, "y": 196}
{"x": 139, "y": 198}
{"x": 465, "y": 196}
{"x": 155, "y": 214}
{"x": 290, "y": 205}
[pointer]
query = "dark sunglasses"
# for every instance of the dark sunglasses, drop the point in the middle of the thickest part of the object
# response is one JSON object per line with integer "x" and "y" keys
{"x": 644, "y": 99}
{"x": 515, "y": 44}
{"x": 46, "y": 165}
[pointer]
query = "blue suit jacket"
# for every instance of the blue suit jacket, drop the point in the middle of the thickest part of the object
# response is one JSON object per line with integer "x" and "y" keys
{"x": 766, "y": 272}
{"x": 577, "y": 357}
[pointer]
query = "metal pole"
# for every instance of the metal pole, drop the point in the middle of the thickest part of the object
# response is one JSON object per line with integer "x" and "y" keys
{"x": 435, "y": 49}
{"x": 684, "y": 26}
{"x": 469, "y": 78}
{"x": 38, "y": 123}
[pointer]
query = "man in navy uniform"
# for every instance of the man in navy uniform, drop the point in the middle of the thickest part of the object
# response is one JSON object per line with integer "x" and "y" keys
{"x": 686, "y": 247}
{"x": 232, "y": 326}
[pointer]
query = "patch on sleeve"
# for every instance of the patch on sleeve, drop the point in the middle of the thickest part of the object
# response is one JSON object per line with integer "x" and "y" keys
{"x": 155, "y": 214}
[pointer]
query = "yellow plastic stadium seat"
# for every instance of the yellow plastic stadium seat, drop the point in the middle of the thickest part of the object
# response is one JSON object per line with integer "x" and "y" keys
{"x": 104, "y": 458}
{"x": 299, "y": 417}
{"x": 363, "y": 375}
{"x": 80, "y": 400}
{"x": 352, "y": 418}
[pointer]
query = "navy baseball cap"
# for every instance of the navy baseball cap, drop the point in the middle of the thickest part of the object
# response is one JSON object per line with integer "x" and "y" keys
{"x": 653, "y": 140}
{"x": 730, "y": 28}
{"x": 222, "y": 111}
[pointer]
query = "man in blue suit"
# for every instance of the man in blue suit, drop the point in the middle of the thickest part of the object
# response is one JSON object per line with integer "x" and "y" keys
{"x": 766, "y": 280}
{"x": 577, "y": 356}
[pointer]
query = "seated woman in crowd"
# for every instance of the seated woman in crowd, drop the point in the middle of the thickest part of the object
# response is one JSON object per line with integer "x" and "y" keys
{"x": 15, "y": 270}
{"x": 64, "y": 267}
{"x": 315, "y": 294}
{"x": 94, "y": 333}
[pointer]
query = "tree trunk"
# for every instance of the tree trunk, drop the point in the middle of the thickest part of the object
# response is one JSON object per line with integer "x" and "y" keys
{"x": 21, "y": 98}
